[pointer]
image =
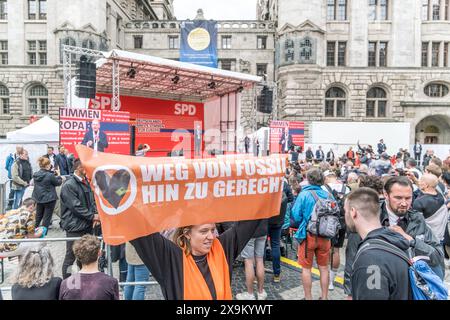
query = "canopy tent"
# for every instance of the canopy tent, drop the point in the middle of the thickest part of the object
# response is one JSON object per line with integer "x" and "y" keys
{"x": 43, "y": 130}
{"x": 144, "y": 75}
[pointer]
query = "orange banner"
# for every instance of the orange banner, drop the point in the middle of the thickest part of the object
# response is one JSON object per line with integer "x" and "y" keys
{"x": 137, "y": 196}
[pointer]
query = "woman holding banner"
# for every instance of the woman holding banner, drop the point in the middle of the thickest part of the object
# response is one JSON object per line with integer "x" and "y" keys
{"x": 197, "y": 265}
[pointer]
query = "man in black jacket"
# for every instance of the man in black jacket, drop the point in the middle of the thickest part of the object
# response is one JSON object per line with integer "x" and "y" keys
{"x": 377, "y": 274}
{"x": 396, "y": 213}
{"x": 78, "y": 211}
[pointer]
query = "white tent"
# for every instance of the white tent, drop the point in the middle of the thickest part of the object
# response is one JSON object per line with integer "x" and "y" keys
{"x": 43, "y": 130}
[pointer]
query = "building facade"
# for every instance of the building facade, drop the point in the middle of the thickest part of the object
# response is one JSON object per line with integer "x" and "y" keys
{"x": 331, "y": 60}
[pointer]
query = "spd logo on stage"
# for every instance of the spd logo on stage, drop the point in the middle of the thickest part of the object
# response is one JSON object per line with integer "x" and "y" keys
{"x": 116, "y": 188}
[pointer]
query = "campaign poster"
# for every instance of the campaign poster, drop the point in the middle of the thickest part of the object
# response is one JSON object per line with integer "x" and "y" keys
{"x": 168, "y": 127}
{"x": 199, "y": 42}
{"x": 296, "y": 135}
{"x": 101, "y": 130}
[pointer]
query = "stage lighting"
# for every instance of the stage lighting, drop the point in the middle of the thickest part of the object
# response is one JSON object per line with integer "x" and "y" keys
{"x": 240, "y": 89}
{"x": 212, "y": 85}
{"x": 176, "y": 79}
{"x": 131, "y": 72}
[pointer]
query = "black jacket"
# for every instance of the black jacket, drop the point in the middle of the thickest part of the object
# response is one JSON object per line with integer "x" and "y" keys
{"x": 102, "y": 142}
{"x": 45, "y": 182}
{"x": 381, "y": 275}
{"x": 62, "y": 163}
{"x": 426, "y": 243}
{"x": 77, "y": 206}
{"x": 309, "y": 155}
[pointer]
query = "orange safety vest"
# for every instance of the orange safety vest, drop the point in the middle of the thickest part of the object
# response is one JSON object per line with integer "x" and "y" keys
{"x": 195, "y": 287}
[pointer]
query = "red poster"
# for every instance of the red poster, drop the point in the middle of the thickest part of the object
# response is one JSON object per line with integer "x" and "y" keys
{"x": 165, "y": 125}
{"x": 296, "y": 132}
{"x": 101, "y": 130}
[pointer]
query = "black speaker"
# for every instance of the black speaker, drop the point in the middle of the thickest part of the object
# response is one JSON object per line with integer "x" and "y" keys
{"x": 86, "y": 84}
{"x": 265, "y": 100}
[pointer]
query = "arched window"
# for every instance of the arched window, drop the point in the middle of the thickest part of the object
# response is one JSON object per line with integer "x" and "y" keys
{"x": 306, "y": 50}
{"x": 69, "y": 42}
{"x": 376, "y": 103}
{"x": 4, "y": 100}
{"x": 88, "y": 44}
{"x": 436, "y": 90}
{"x": 37, "y": 98}
{"x": 335, "y": 99}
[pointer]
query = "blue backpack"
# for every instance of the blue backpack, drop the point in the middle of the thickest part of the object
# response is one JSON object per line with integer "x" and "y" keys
{"x": 425, "y": 284}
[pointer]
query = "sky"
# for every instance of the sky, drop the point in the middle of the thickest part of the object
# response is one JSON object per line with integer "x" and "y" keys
{"x": 216, "y": 9}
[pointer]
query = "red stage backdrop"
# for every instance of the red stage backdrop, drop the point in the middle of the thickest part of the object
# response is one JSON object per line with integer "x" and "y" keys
{"x": 296, "y": 129}
{"x": 165, "y": 125}
{"x": 75, "y": 124}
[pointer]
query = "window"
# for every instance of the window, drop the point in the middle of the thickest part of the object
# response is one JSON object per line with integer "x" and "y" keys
{"x": 378, "y": 10}
{"x": 332, "y": 58}
{"x": 331, "y": 52}
{"x": 447, "y": 8}
{"x": 377, "y": 54}
{"x": 376, "y": 103}
{"x": 424, "y": 54}
{"x": 174, "y": 42}
{"x": 262, "y": 42}
{"x": 306, "y": 51}
{"x": 436, "y": 6}
{"x": 4, "y": 99}
{"x": 335, "y": 102}
{"x": 3, "y": 52}
{"x": 435, "y": 54}
{"x": 425, "y": 10}
{"x": 37, "y": 52}
{"x": 446, "y": 54}
{"x": 331, "y": 9}
{"x": 3, "y": 9}
{"x": 372, "y": 10}
{"x": 383, "y": 9}
{"x": 88, "y": 44}
{"x": 138, "y": 42}
{"x": 436, "y": 90}
{"x": 261, "y": 69}
{"x": 38, "y": 100}
{"x": 383, "y": 53}
{"x": 342, "y": 47}
{"x": 68, "y": 42}
{"x": 37, "y": 9}
{"x": 337, "y": 10}
{"x": 226, "y": 42}
{"x": 119, "y": 30}
{"x": 226, "y": 64}
{"x": 372, "y": 54}
{"x": 289, "y": 50}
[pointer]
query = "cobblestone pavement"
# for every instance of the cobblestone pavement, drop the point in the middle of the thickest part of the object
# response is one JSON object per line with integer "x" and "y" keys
{"x": 289, "y": 288}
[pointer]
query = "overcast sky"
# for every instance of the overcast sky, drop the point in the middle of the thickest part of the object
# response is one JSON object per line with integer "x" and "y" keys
{"x": 216, "y": 9}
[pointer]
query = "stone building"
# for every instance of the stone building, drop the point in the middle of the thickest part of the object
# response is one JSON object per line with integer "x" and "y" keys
{"x": 371, "y": 60}
{"x": 332, "y": 60}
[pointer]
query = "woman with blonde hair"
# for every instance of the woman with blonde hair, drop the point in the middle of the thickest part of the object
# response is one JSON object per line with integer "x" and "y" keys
{"x": 197, "y": 264}
{"x": 44, "y": 192}
{"x": 35, "y": 280}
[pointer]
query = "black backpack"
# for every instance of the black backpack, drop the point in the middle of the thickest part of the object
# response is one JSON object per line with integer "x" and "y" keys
{"x": 340, "y": 199}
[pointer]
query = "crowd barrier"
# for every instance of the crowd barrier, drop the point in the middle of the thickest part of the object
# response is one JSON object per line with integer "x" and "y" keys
{"x": 108, "y": 254}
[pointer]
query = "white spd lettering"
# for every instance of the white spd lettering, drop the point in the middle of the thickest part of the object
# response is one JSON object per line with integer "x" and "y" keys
{"x": 183, "y": 109}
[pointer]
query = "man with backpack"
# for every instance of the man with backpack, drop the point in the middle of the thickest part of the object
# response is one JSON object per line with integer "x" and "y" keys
{"x": 378, "y": 274}
{"x": 339, "y": 190}
{"x": 317, "y": 215}
{"x": 382, "y": 166}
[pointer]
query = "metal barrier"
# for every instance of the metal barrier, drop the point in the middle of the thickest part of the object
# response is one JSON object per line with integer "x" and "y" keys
{"x": 108, "y": 254}
{"x": 3, "y": 198}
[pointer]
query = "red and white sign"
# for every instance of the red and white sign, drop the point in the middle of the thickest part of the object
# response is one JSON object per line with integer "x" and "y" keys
{"x": 114, "y": 129}
{"x": 296, "y": 130}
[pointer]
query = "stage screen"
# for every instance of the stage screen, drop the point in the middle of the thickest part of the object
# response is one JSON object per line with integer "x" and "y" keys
{"x": 112, "y": 135}
{"x": 167, "y": 126}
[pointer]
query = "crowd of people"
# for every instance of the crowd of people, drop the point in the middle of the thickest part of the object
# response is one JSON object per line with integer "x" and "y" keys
{"x": 370, "y": 200}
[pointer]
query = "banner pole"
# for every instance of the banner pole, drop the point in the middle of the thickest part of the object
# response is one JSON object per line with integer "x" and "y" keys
{"x": 108, "y": 257}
